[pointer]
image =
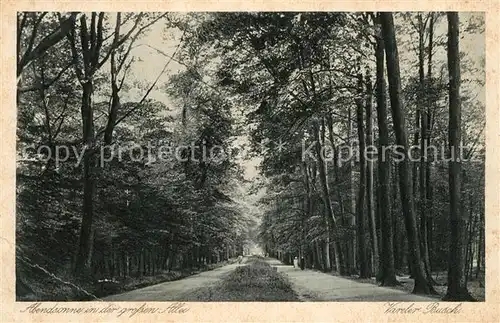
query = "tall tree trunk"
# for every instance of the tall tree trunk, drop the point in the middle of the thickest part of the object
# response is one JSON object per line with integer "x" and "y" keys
{"x": 326, "y": 190}
{"x": 397, "y": 241}
{"x": 427, "y": 134}
{"x": 378, "y": 219}
{"x": 307, "y": 207}
{"x": 418, "y": 110}
{"x": 352, "y": 216}
{"x": 311, "y": 177}
{"x": 405, "y": 169}
{"x": 360, "y": 218}
{"x": 480, "y": 253}
{"x": 388, "y": 272}
{"x": 457, "y": 287}
{"x": 344, "y": 220}
{"x": 85, "y": 247}
{"x": 90, "y": 46}
{"x": 326, "y": 248}
{"x": 424, "y": 248}
{"x": 469, "y": 259}
{"x": 327, "y": 201}
{"x": 369, "y": 178}
{"x": 316, "y": 260}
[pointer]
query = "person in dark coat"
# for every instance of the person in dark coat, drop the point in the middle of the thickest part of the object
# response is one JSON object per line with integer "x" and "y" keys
{"x": 302, "y": 263}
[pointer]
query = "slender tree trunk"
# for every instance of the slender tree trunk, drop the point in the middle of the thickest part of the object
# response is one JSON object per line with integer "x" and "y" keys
{"x": 115, "y": 104}
{"x": 319, "y": 252}
{"x": 470, "y": 241}
{"x": 405, "y": 169}
{"x": 316, "y": 261}
{"x": 388, "y": 272}
{"x": 128, "y": 262}
{"x": 457, "y": 286}
{"x": 140, "y": 266}
{"x": 326, "y": 249}
{"x": 424, "y": 248}
{"x": 397, "y": 241}
{"x": 360, "y": 221}
{"x": 307, "y": 206}
{"x": 124, "y": 263}
{"x": 419, "y": 111}
{"x": 378, "y": 214}
{"x": 310, "y": 257}
{"x": 428, "y": 183}
{"x": 328, "y": 226}
{"x": 310, "y": 208}
{"x": 344, "y": 247}
{"x": 326, "y": 191}
{"x": 352, "y": 216}
{"x": 172, "y": 258}
{"x": 480, "y": 253}
{"x": 109, "y": 261}
{"x": 370, "y": 179}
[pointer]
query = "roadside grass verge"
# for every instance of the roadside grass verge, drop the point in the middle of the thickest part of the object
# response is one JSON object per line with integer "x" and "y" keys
{"x": 39, "y": 285}
{"x": 255, "y": 281}
{"x": 475, "y": 286}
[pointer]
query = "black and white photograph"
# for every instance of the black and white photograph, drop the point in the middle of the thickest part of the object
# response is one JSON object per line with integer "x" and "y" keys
{"x": 251, "y": 156}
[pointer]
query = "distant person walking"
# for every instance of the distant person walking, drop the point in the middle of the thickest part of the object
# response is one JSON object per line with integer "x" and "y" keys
{"x": 240, "y": 259}
{"x": 295, "y": 262}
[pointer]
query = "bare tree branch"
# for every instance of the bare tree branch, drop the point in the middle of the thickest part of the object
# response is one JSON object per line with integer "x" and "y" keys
{"x": 34, "y": 32}
{"x": 120, "y": 42}
{"x": 47, "y": 42}
{"x": 151, "y": 87}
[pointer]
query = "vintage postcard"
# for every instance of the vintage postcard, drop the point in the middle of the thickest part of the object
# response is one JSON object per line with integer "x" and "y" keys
{"x": 221, "y": 161}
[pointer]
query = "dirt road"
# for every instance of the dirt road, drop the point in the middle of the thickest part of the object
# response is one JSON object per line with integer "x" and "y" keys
{"x": 316, "y": 286}
{"x": 171, "y": 291}
{"x": 308, "y": 285}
